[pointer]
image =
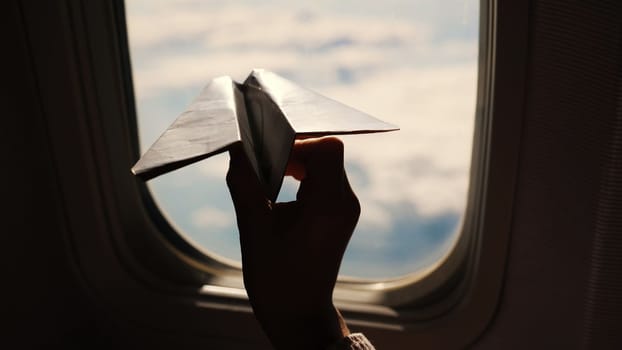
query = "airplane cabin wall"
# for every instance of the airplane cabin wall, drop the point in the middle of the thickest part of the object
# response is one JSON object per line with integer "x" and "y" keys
{"x": 562, "y": 286}
{"x": 44, "y": 303}
{"x": 563, "y": 282}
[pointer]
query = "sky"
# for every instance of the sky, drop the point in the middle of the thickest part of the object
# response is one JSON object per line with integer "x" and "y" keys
{"x": 410, "y": 63}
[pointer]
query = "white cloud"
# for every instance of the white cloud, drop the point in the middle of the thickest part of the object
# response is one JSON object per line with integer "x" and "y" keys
{"x": 375, "y": 217}
{"x": 191, "y": 47}
{"x": 396, "y": 70}
{"x": 433, "y": 104}
{"x": 215, "y": 167}
{"x": 211, "y": 218}
{"x": 435, "y": 109}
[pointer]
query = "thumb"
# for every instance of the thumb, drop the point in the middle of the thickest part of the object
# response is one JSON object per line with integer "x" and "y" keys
{"x": 246, "y": 193}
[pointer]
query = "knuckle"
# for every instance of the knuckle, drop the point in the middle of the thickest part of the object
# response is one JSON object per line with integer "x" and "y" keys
{"x": 333, "y": 145}
{"x": 229, "y": 178}
{"x": 233, "y": 178}
{"x": 354, "y": 206}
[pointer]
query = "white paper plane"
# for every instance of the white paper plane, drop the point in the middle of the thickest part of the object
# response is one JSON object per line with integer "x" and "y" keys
{"x": 266, "y": 114}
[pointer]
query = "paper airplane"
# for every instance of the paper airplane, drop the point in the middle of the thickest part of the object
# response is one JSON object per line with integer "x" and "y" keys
{"x": 266, "y": 113}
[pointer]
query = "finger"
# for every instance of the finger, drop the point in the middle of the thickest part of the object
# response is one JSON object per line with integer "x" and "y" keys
{"x": 295, "y": 169}
{"x": 246, "y": 193}
{"x": 285, "y": 215}
{"x": 322, "y": 162}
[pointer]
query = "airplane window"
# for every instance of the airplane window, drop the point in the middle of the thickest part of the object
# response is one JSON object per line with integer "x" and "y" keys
{"x": 410, "y": 63}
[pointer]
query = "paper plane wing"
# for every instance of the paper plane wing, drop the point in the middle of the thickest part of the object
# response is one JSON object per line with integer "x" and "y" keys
{"x": 310, "y": 113}
{"x": 206, "y": 128}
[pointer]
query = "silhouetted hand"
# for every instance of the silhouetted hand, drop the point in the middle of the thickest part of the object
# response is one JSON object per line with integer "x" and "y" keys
{"x": 291, "y": 252}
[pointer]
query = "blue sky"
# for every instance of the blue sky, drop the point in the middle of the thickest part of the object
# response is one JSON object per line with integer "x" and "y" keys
{"x": 411, "y": 63}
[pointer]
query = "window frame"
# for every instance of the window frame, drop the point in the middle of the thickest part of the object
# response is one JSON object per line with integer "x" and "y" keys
{"x": 131, "y": 257}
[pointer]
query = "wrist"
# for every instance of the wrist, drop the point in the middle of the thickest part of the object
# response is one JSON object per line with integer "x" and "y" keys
{"x": 316, "y": 329}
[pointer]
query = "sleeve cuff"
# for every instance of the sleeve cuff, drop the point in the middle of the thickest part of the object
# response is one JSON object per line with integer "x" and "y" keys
{"x": 354, "y": 341}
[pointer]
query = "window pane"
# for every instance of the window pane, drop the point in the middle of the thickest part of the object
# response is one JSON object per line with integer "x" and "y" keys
{"x": 411, "y": 63}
